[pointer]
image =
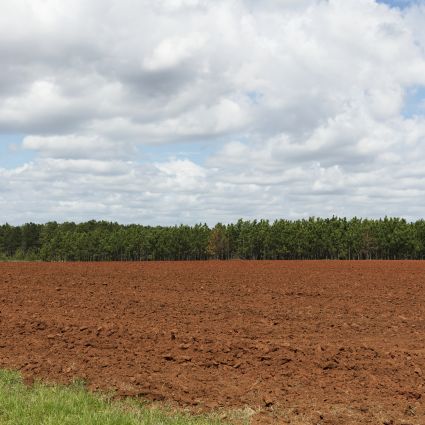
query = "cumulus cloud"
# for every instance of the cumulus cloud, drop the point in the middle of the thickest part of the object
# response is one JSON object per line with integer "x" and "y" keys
{"x": 302, "y": 104}
{"x": 78, "y": 147}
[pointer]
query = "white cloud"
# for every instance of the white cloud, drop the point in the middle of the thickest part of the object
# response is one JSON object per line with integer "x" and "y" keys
{"x": 172, "y": 52}
{"x": 301, "y": 103}
{"x": 78, "y": 147}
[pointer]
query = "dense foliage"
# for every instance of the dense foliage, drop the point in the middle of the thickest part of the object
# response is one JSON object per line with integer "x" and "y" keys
{"x": 315, "y": 238}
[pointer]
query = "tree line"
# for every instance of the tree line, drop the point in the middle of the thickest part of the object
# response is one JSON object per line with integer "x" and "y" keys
{"x": 313, "y": 238}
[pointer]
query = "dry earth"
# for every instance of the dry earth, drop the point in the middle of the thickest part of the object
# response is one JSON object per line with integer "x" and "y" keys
{"x": 326, "y": 342}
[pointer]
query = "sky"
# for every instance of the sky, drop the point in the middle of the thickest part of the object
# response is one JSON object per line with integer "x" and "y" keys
{"x": 190, "y": 111}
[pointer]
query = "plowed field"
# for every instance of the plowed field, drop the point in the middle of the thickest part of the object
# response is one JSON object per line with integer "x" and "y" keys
{"x": 301, "y": 342}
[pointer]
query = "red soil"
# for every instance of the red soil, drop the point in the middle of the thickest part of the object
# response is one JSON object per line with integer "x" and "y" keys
{"x": 307, "y": 342}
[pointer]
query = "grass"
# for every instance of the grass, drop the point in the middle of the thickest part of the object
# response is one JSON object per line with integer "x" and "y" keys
{"x": 43, "y": 404}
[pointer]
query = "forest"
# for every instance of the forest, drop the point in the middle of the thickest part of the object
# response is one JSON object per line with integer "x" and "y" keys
{"x": 313, "y": 238}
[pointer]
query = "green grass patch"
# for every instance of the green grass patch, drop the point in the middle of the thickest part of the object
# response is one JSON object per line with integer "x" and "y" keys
{"x": 42, "y": 404}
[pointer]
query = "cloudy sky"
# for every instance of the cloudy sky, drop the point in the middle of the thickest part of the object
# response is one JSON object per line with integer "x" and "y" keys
{"x": 185, "y": 111}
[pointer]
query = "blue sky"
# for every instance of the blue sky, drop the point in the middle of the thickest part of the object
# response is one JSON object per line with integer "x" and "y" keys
{"x": 414, "y": 104}
{"x": 400, "y": 3}
{"x": 11, "y": 152}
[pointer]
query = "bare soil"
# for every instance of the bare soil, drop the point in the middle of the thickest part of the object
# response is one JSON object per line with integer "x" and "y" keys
{"x": 326, "y": 342}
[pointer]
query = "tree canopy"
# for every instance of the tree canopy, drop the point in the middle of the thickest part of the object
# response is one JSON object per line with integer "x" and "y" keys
{"x": 313, "y": 238}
